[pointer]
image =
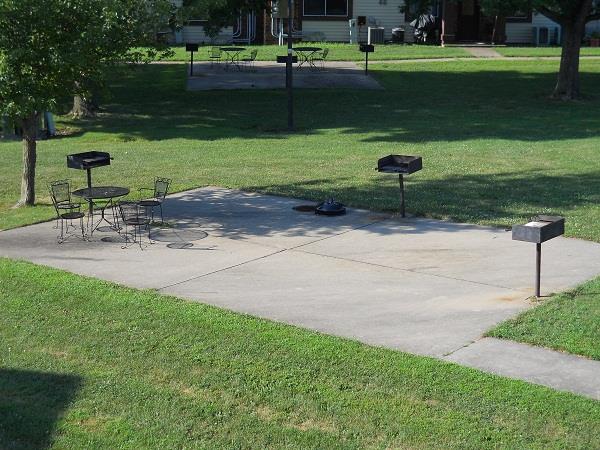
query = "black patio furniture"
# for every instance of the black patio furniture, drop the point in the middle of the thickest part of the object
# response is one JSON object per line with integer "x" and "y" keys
{"x": 319, "y": 57}
{"x": 66, "y": 210}
{"x": 233, "y": 56}
{"x": 214, "y": 55}
{"x": 60, "y": 192}
{"x": 305, "y": 55}
{"x": 135, "y": 216}
{"x": 248, "y": 60}
{"x": 159, "y": 192}
{"x": 108, "y": 194}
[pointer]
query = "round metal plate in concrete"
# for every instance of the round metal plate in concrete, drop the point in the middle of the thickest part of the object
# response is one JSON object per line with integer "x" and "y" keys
{"x": 178, "y": 235}
{"x": 180, "y": 245}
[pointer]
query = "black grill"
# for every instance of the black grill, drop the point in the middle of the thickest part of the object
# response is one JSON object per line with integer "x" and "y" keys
{"x": 88, "y": 160}
{"x": 402, "y": 165}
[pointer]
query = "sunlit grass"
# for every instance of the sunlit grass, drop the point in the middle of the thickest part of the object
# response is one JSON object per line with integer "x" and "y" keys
{"x": 88, "y": 364}
{"x": 496, "y": 149}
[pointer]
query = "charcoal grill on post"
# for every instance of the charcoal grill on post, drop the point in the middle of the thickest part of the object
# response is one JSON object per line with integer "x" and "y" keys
{"x": 402, "y": 165}
{"x": 541, "y": 229}
{"x": 88, "y": 161}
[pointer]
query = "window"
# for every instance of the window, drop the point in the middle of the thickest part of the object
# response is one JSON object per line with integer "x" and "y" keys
{"x": 326, "y": 8}
{"x": 519, "y": 16}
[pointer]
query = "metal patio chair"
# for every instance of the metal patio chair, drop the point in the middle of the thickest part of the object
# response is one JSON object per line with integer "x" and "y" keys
{"x": 66, "y": 210}
{"x": 249, "y": 59}
{"x": 134, "y": 216}
{"x": 214, "y": 55}
{"x": 159, "y": 192}
{"x": 319, "y": 57}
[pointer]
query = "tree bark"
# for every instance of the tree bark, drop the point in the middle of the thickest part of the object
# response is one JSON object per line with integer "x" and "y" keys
{"x": 83, "y": 107}
{"x": 567, "y": 85}
{"x": 29, "y": 125}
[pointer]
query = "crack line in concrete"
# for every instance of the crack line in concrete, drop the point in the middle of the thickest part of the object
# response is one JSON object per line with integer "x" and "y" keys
{"x": 468, "y": 344}
{"x": 266, "y": 256}
{"x": 410, "y": 270}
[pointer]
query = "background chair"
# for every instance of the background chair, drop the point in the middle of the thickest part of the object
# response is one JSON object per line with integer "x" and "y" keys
{"x": 134, "y": 215}
{"x": 319, "y": 57}
{"x": 66, "y": 209}
{"x": 214, "y": 55}
{"x": 159, "y": 192}
{"x": 248, "y": 60}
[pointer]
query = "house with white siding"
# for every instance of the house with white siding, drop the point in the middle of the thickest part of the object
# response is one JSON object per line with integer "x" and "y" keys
{"x": 333, "y": 20}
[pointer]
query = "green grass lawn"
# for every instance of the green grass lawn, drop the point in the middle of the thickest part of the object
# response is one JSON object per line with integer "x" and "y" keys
{"x": 543, "y": 51}
{"x": 88, "y": 364}
{"x": 496, "y": 149}
{"x": 340, "y": 52}
{"x": 568, "y": 322}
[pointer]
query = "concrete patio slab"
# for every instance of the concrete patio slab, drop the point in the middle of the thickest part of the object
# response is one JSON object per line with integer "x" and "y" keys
{"x": 478, "y": 254}
{"x": 271, "y": 75}
{"x": 414, "y": 312}
{"x": 419, "y": 285}
{"x": 103, "y": 257}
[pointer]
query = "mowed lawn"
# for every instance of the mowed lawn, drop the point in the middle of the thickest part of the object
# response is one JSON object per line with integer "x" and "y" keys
{"x": 542, "y": 51}
{"x": 88, "y": 364}
{"x": 496, "y": 149}
{"x": 338, "y": 52}
{"x": 568, "y": 322}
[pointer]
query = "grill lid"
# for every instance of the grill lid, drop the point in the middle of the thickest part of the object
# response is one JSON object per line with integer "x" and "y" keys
{"x": 88, "y": 160}
{"x": 400, "y": 164}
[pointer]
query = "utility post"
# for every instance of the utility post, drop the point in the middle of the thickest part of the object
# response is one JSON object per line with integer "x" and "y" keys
{"x": 288, "y": 68}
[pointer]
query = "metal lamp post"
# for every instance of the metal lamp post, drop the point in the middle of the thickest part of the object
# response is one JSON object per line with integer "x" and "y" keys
{"x": 288, "y": 69}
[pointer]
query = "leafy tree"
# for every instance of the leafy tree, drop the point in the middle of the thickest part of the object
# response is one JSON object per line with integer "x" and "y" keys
{"x": 51, "y": 48}
{"x": 219, "y": 14}
{"x": 572, "y": 15}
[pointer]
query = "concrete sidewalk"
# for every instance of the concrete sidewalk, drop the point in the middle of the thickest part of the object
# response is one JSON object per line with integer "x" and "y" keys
{"x": 418, "y": 285}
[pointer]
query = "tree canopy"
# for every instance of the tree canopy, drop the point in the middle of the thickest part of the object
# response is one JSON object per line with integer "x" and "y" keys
{"x": 219, "y": 14}
{"x": 49, "y": 49}
{"x": 572, "y": 15}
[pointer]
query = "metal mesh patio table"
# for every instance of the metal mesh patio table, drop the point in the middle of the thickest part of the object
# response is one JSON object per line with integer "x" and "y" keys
{"x": 108, "y": 193}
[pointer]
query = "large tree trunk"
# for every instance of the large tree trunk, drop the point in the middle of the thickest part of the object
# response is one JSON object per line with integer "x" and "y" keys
{"x": 85, "y": 102}
{"x": 567, "y": 86}
{"x": 29, "y": 125}
{"x": 83, "y": 107}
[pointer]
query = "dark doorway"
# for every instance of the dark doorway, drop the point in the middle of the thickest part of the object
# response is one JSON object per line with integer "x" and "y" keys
{"x": 468, "y": 20}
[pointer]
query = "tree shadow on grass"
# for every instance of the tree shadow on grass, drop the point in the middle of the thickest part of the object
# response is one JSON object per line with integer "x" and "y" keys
{"x": 417, "y": 106}
{"x": 500, "y": 199}
{"x": 30, "y": 405}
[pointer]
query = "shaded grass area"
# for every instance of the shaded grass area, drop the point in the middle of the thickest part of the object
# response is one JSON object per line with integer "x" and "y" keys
{"x": 543, "y": 51}
{"x": 568, "y": 322}
{"x": 338, "y": 52}
{"x": 134, "y": 369}
{"x": 496, "y": 149}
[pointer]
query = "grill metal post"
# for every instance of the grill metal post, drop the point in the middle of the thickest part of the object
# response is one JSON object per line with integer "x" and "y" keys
{"x": 538, "y": 267}
{"x": 402, "y": 204}
{"x": 89, "y": 183}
